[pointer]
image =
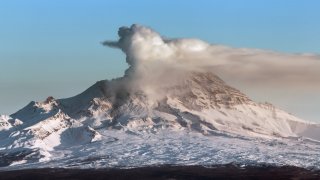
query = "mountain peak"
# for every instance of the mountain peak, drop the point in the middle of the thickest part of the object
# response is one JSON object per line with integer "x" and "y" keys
{"x": 168, "y": 108}
{"x": 200, "y": 98}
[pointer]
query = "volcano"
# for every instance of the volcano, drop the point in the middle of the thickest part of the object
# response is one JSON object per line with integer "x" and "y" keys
{"x": 191, "y": 118}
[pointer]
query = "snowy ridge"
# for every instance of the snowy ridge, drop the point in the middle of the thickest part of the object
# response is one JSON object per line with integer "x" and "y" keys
{"x": 6, "y": 123}
{"x": 63, "y": 132}
{"x": 43, "y": 126}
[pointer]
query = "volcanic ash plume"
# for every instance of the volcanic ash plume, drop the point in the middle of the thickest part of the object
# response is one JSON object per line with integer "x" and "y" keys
{"x": 156, "y": 62}
{"x": 171, "y": 104}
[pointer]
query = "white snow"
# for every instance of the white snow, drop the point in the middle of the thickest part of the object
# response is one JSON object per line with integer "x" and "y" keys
{"x": 195, "y": 123}
{"x": 120, "y": 149}
{"x": 6, "y": 122}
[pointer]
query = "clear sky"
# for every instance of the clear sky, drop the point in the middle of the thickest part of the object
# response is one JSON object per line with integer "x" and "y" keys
{"x": 53, "y": 47}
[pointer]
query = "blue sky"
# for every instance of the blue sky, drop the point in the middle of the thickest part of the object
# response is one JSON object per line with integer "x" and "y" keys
{"x": 53, "y": 47}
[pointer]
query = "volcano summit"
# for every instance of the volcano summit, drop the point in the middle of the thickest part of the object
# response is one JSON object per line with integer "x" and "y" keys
{"x": 170, "y": 107}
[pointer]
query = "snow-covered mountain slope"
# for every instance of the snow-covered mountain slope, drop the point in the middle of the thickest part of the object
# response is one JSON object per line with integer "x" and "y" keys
{"x": 169, "y": 108}
{"x": 6, "y": 122}
{"x": 200, "y": 105}
{"x": 201, "y": 102}
{"x": 35, "y": 130}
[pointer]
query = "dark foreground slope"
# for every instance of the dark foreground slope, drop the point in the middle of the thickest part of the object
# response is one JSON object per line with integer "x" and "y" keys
{"x": 167, "y": 172}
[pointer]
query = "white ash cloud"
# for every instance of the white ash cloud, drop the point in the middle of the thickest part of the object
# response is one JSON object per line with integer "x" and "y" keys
{"x": 153, "y": 59}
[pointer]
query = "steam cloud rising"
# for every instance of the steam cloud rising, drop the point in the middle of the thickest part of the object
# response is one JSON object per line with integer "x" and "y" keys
{"x": 149, "y": 54}
{"x": 156, "y": 63}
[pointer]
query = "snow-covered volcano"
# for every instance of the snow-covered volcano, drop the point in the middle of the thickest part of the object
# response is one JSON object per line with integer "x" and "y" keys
{"x": 192, "y": 117}
{"x": 200, "y": 104}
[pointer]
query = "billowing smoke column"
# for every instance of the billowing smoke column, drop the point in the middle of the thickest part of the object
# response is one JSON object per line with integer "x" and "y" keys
{"x": 141, "y": 44}
{"x": 153, "y": 59}
{"x": 149, "y": 55}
